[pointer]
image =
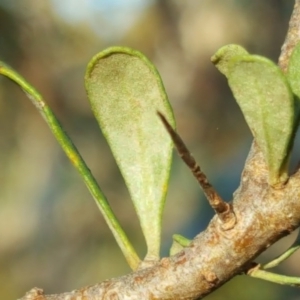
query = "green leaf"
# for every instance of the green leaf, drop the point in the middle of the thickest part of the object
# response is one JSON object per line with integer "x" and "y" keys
{"x": 293, "y": 72}
{"x": 276, "y": 278}
{"x": 125, "y": 92}
{"x": 179, "y": 242}
{"x": 293, "y": 77}
{"x": 221, "y": 59}
{"x": 79, "y": 164}
{"x": 267, "y": 103}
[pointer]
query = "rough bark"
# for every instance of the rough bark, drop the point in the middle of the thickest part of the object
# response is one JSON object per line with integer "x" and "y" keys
{"x": 264, "y": 215}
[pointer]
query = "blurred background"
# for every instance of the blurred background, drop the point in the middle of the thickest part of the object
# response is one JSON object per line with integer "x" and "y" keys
{"x": 52, "y": 235}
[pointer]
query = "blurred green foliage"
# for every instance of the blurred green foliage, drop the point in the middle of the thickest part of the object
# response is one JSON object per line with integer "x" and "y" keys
{"x": 51, "y": 232}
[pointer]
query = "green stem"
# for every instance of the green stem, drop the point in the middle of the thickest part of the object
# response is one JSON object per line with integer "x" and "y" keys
{"x": 276, "y": 278}
{"x": 78, "y": 162}
{"x": 181, "y": 240}
{"x": 275, "y": 262}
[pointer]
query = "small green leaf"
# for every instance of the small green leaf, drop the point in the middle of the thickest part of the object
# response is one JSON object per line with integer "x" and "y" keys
{"x": 293, "y": 72}
{"x": 179, "y": 242}
{"x": 125, "y": 92}
{"x": 293, "y": 77}
{"x": 221, "y": 59}
{"x": 267, "y": 103}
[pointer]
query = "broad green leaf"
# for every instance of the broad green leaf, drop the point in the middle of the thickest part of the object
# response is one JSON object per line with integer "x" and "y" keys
{"x": 267, "y": 103}
{"x": 223, "y": 56}
{"x": 125, "y": 92}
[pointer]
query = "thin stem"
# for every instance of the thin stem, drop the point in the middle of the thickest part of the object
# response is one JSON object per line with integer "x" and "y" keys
{"x": 79, "y": 164}
{"x": 223, "y": 209}
{"x": 275, "y": 262}
{"x": 181, "y": 240}
{"x": 276, "y": 278}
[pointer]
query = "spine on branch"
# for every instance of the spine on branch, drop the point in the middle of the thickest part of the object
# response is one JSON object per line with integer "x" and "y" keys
{"x": 223, "y": 209}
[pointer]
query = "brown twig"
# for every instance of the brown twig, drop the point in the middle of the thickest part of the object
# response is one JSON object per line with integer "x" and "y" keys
{"x": 223, "y": 209}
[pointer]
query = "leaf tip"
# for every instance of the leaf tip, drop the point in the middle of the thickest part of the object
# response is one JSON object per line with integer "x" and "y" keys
{"x": 223, "y": 56}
